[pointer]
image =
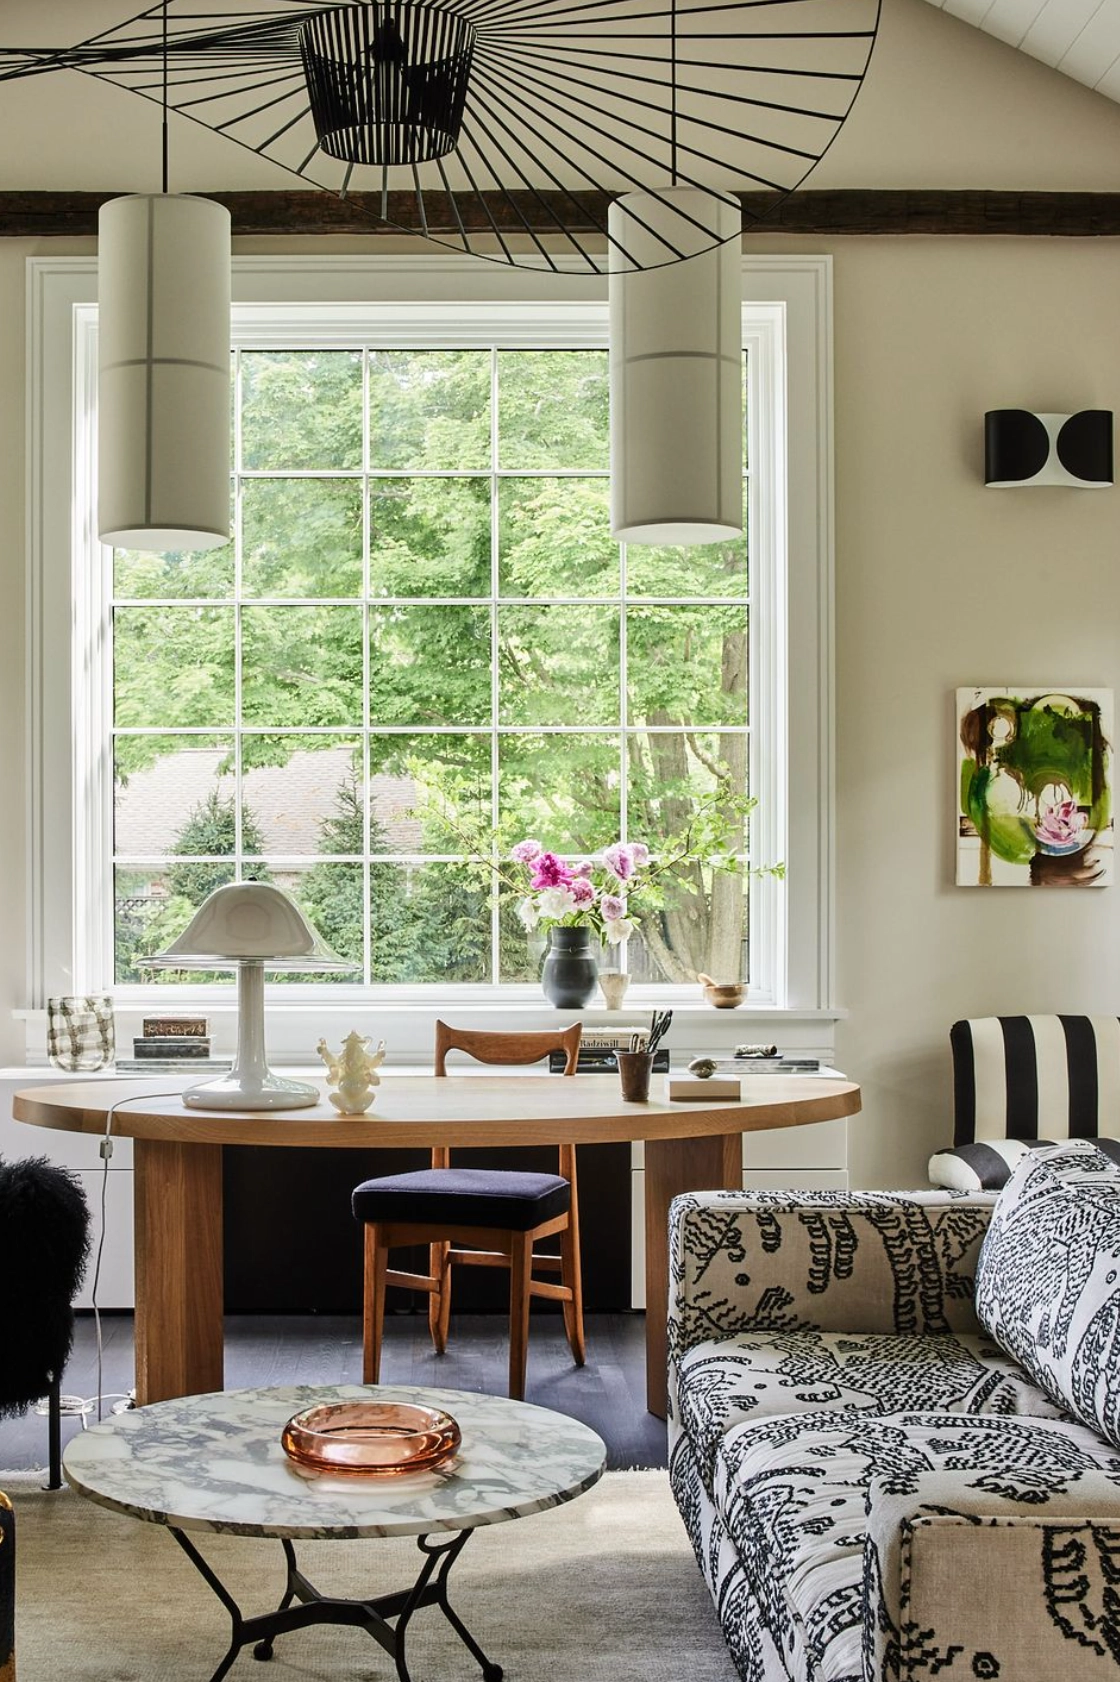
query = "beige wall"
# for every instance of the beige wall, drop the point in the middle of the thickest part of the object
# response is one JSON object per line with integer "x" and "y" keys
{"x": 943, "y": 583}
{"x": 939, "y": 582}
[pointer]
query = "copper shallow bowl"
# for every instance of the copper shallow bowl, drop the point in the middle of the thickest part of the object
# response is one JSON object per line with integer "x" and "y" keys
{"x": 372, "y": 1439}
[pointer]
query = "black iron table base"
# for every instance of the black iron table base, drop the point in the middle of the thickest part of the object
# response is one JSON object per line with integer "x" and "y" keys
{"x": 386, "y": 1616}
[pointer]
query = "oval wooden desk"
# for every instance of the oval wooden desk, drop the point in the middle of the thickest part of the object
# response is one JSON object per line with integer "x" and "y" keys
{"x": 178, "y": 1175}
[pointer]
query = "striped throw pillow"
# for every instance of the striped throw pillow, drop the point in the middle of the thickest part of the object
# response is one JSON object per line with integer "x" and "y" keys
{"x": 988, "y": 1165}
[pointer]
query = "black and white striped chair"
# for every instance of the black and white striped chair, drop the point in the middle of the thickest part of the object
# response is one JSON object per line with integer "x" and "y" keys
{"x": 1020, "y": 1081}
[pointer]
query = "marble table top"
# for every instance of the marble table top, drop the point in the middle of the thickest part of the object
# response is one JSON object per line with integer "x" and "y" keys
{"x": 215, "y": 1463}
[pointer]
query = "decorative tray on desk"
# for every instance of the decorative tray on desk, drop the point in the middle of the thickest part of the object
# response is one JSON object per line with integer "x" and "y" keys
{"x": 371, "y": 1439}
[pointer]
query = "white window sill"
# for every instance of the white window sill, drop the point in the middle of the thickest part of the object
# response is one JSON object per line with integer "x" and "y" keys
{"x": 407, "y": 1024}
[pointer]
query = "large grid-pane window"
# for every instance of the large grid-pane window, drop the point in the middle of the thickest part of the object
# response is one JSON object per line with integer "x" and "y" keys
{"x": 421, "y": 631}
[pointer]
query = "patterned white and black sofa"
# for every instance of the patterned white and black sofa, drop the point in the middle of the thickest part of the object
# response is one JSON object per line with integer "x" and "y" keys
{"x": 876, "y": 1491}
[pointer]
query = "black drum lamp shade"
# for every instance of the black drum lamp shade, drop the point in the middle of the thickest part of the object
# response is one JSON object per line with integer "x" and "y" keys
{"x": 387, "y": 82}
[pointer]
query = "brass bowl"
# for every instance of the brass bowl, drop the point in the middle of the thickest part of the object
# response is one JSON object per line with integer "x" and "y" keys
{"x": 724, "y": 995}
{"x": 374, "y": 1439}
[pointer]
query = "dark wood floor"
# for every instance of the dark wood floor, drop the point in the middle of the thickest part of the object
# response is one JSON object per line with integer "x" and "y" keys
{"x": 608, "y": 1393}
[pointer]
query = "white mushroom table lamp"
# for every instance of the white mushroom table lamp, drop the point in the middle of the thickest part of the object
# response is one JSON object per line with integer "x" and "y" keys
{"x": 250, "y": 927}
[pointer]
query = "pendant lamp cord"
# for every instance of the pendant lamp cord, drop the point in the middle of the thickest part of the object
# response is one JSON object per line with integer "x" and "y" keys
{"x": 166, "y": 95}
{"x": 673, "y": 88}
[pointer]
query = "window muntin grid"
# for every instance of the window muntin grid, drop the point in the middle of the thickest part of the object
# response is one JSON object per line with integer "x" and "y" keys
{"x": 613, "y": 729}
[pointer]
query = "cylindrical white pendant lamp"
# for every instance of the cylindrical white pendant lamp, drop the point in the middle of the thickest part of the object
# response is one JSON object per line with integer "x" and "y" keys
{"x": 164, "y": 349}
{"x": 676, "y": 368}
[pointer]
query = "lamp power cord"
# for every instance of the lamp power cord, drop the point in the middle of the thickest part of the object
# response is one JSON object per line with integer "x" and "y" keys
{"x": 82, "y": 1407}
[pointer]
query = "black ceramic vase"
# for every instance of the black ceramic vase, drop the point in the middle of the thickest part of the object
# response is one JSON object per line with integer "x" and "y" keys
{"x": 570, "y": 973}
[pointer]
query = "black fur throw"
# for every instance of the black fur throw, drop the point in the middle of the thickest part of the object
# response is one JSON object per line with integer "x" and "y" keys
{"x": 44, "y": 1242}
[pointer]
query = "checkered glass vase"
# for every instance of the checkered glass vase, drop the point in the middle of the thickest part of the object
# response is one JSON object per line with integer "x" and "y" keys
{"x": 80, "y": 1031}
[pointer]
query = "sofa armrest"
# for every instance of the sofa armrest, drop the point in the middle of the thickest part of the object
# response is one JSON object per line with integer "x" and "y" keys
{"x": 833, "y": 1261}
{"x": 1014, "y": 1580}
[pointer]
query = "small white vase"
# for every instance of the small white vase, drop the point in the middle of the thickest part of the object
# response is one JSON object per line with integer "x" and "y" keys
{"x": 613, "y": 984}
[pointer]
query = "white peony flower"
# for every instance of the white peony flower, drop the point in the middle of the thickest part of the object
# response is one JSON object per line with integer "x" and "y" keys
{"x": 555, "y": 902}
{"x": 528, "y": 914}
{"x": 618, "y": 931}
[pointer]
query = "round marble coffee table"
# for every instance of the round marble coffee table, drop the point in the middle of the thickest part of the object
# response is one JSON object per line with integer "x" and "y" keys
{"x": 215, "y": 1463}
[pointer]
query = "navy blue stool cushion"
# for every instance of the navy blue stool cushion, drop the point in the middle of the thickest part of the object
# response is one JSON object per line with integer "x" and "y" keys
{"x": 487, "y": 1197}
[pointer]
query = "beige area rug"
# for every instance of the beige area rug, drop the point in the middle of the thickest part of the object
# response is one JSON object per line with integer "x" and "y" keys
{"x": 604, "y": 1589}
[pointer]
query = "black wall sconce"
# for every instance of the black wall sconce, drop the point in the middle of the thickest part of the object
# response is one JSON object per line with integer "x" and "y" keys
{"x": 1021, "y": 448}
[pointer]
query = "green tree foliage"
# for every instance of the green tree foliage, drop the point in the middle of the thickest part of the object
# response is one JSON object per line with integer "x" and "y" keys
{"x": 428, "y": 664}
{"x": 332, "y": 895}
{"x": 427, "y": 923}
{"x": 211, "y": 829}
{"x": 152, "y": 913}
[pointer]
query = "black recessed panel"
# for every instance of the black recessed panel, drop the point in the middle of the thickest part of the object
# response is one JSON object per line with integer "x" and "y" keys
{"x": 293, "y": 1247}
{"x": 1084, "y": 446}
{"x": 1016, "y": 445}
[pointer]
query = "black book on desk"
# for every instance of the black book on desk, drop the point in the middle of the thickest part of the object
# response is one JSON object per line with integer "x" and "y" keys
{"x": 599, "y": 1060}
{"x": 150, "y": 1049}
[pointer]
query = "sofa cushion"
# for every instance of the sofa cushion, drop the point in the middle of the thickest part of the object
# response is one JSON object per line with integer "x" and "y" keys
{"x": 792, "y": 1492}
{"x": 1048, "y": 1279}
{"x": 725, "y": 1382}
{"x": 482, "y": 1197}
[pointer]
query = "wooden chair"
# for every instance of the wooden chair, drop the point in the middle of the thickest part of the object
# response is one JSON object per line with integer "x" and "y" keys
{"x": 499, "y": 1214}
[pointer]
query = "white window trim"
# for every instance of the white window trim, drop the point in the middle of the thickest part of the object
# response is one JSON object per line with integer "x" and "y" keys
{"x": 787, "y": 323}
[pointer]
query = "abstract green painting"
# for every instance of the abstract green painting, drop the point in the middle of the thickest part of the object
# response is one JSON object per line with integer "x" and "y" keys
{"x": 1035, "y": 800}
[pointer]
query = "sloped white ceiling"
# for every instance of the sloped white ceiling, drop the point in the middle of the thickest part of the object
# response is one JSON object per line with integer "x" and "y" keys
{"x": 1081, "y": 38}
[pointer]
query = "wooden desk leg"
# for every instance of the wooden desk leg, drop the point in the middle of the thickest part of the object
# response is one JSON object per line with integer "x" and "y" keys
{"x": 674, "y": 1166}
{"x": 178, "y": 1215}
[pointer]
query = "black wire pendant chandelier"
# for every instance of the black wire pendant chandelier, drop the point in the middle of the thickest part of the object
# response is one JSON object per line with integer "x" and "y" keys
{"x": 387, "y": 83}
{"x": 504, "y": 128}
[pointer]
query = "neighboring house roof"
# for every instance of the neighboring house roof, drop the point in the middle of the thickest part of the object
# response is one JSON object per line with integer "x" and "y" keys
{"x": 288, "y": 802}
{"x": 1081, "y": 38}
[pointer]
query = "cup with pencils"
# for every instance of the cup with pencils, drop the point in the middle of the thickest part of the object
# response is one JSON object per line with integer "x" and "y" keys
{"x": 635, "y": 1065}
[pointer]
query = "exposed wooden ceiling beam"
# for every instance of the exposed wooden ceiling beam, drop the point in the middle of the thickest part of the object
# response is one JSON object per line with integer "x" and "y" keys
{"x": 851, "y": 211}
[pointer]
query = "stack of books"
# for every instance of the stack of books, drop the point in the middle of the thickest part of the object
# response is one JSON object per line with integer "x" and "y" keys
{"x": 728, "y": 1073}
{"x": 598, "y": 1046}
{"x": 171, "y": 1044}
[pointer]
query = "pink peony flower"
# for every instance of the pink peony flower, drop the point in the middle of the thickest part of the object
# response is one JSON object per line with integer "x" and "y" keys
{"x": 619, "y": 860}
{"x": 582, "y": 892}
{"x": 550, "y": 872}
{"x": 612, "y": 908}
{"x": 526, "y": 851}
{"x": 584, "y": 868}
{"x": 1060, "y": 825}
{"x": 639, "y": 852}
